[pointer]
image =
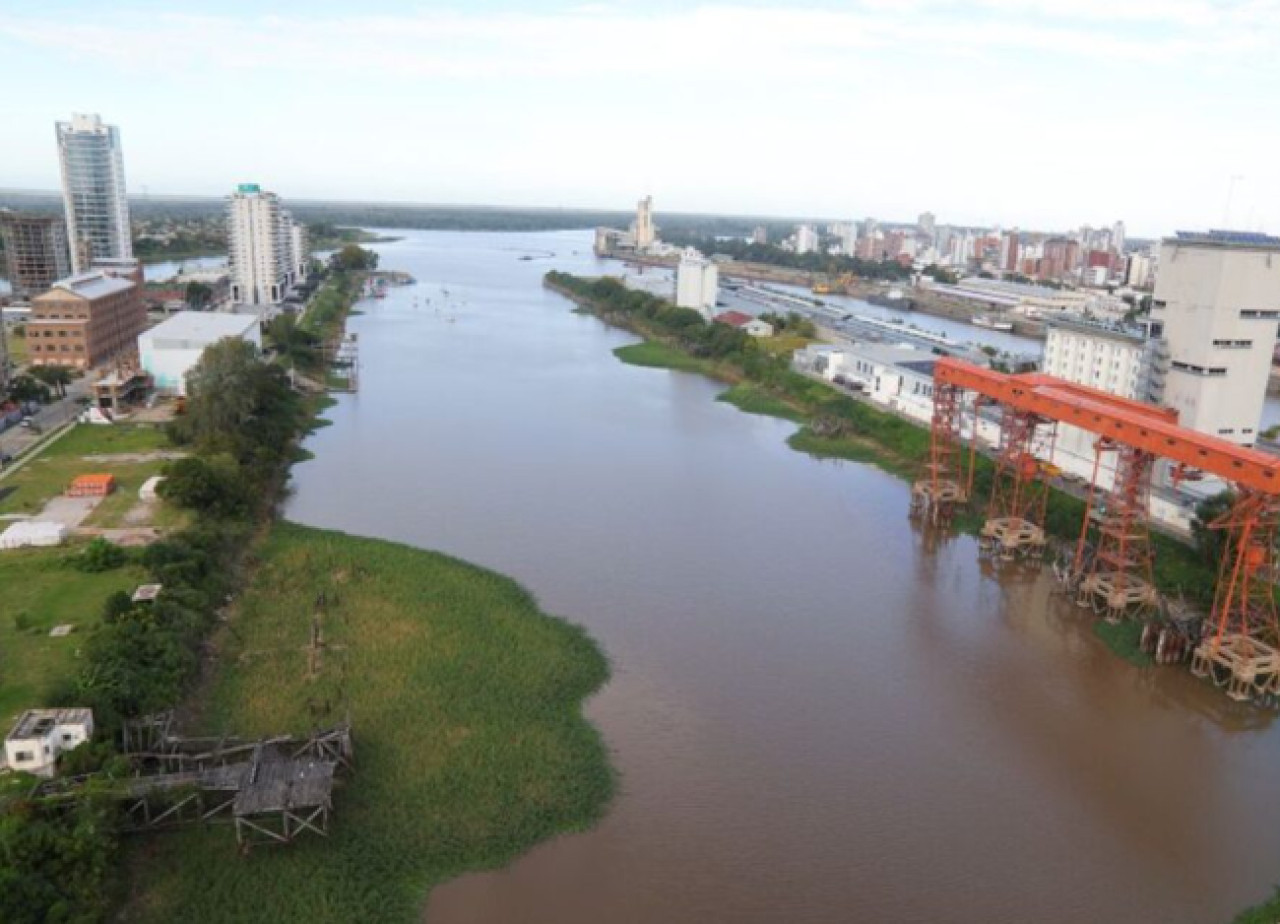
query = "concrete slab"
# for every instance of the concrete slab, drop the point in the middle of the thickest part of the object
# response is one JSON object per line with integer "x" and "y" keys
{"x": 69, "y": 511}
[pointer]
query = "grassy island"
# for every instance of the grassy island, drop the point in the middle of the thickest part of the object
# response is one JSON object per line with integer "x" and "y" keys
{"x": 465, "y": 702}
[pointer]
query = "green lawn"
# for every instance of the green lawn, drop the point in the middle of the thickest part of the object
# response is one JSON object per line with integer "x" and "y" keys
{"x": 50, "y": 472}
{"x": 470, "y": 744}
{"x": 37, "y": 583}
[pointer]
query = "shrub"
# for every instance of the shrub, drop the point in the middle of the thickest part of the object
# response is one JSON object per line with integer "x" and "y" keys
{"x": 100, "y": 555}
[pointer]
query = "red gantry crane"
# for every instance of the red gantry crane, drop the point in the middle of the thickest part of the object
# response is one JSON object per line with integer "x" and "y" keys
{"x": 1111, "y": 567}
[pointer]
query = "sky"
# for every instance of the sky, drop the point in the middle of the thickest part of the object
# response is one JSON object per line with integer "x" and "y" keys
{"x": 1039, "y": 114}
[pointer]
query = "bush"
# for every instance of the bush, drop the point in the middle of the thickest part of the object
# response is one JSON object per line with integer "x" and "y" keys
{"x": 100, "y": 555}
{"x": 116, "y": 606}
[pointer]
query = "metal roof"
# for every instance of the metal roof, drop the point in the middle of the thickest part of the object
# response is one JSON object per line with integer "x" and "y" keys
{"x": 203, "y": 327}
{"x": 93, "y": 285}
{"x": 33, "y": 722}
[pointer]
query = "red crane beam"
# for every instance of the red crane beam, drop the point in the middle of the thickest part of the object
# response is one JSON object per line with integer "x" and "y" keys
{"x": 1142, "y": 426}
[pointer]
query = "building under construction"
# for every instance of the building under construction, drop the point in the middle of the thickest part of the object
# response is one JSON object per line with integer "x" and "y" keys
{"x": 35, "y": 249}
{"x": 1109, "y": 567}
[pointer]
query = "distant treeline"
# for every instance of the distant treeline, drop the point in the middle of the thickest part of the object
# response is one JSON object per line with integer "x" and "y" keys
{"x": 427, "y": 217}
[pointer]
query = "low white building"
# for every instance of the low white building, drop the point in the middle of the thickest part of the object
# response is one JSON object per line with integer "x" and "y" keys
{"x": 896, "y": 376}
{"x": 697, "y": 282}
{"x": 171, "y": 348}
{"x": 40, "y": 735}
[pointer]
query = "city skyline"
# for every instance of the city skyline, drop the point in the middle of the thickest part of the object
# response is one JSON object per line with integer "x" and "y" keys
{"x": 987, "y": 113}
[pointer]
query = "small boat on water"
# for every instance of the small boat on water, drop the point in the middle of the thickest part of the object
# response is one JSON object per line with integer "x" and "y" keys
{"x": 991, "y": 323}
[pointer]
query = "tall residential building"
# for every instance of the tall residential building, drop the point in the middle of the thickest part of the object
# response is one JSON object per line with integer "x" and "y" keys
{"x": 927, "y": 223}
{"x": 35, "y": 248}
{"x": 806, "y": 239}
{"x": 697, "y": 281}
{"x": 643, "y": 230}
{"x": 267, "y": 255}
{"x": 93, "y": 191}
{"x": 1117, "y": 237}
{"x": 1217, "y": 303}
{"x": 760, "y": 235}
{"x": 86, "y": 320}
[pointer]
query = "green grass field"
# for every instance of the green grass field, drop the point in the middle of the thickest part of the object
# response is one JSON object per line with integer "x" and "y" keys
{"x": 48, "y": 474}
{"x": 470, "y": 744}
{"x": 39, "y": 585}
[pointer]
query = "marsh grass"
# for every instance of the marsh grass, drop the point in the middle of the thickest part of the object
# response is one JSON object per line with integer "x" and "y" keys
{"x": 755, "y": 400}
{"x": 465, "y": 702}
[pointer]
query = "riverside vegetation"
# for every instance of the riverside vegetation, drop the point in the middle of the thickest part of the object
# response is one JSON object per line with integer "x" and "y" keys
{"x": 836, "y": 425}
{"x": 465, "y": 700}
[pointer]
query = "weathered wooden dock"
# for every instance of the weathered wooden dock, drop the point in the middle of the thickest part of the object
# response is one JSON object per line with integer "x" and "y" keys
{"x": 271, "y": 789}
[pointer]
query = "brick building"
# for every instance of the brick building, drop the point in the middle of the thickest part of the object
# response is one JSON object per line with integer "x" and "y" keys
{"x": 86, "y": 320}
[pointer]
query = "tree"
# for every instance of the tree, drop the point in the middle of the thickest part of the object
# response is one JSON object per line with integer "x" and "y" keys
{"x": 25, "y": 388}
{"x": 56, "y": 377}
{"x": 238, "y": 405}
{"x": 198, "y": 295}
{"x": 354, "y": 257}
{"x": 212, "y": 485}
{"x": 300, "y": 346}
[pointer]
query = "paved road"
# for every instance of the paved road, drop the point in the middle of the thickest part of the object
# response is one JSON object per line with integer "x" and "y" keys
{"x": 17, "y": 440}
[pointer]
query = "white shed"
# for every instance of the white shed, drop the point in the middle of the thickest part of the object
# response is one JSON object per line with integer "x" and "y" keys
{"x": 28, "y": 533}
{"x": 40, "y": 735}
{"x": 172, "y": 347}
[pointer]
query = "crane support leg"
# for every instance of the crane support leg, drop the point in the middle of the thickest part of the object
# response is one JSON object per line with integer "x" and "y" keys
{"x": 942, "y": 487}
{"x": 1114, "y": 572}
{"x": 1238, "y": 650}
{"x": 1019, "y": 494}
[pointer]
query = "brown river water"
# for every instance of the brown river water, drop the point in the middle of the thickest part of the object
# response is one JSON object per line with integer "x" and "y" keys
{"x": 818, "y": 713}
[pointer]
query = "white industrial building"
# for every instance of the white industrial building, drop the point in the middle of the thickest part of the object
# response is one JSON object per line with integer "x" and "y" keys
{"x": 1216, "y": 304}
{"x": 697, "y": 282}
{"x": 896, "y": 376}
{"x": 93, "y": 193}
{"x": 169, "y": 350}
{"x": 40, "y": 735}
{"x": 267, "y": 248}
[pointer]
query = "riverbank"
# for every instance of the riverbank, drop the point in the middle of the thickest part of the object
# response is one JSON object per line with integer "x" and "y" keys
{"x": 465, "y": 700}
{"x": 837, "y": 426}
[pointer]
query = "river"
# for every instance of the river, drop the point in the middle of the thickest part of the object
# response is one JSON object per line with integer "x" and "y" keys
{"x": 818, "y": 714}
